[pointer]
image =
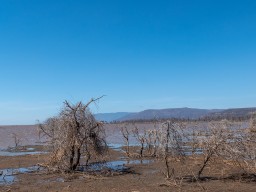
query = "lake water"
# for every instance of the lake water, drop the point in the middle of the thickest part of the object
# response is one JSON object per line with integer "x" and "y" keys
{"x": 28, "y": 135}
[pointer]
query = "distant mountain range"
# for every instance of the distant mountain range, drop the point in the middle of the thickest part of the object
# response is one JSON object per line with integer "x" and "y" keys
{"x": 237, "y": 112}
{"x": 111, "y": 116}
{"x": 179, "y": 113}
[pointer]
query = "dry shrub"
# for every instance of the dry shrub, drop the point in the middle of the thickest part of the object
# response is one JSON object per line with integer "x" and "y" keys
{"x": 72, "y": 134}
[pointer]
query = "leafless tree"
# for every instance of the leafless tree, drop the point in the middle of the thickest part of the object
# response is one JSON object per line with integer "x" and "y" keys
{"x": 242, "y": 150}
{"x": 171, "y": 145}
{"x": 39, "y": 133}
{"x": 214, "y": 142}
{"x": 252, "y": 123}
{"x": 72, "y": 134}
{"x": 152, "y": 141}
{"x": 126, "y": 136}
{"x": 16, "y": 139}
{"x": 141, "y": 138}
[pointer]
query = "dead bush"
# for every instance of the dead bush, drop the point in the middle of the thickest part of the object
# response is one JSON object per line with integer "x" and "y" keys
{"x": 72, "y": 134}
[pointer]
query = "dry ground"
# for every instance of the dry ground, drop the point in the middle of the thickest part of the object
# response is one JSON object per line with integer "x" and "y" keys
{"x": 140, "y": 177}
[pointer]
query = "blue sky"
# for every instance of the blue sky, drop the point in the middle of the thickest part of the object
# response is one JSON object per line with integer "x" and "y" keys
{"x": 141, "y": 54}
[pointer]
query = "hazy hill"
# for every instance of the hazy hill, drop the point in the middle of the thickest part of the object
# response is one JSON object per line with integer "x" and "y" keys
{"x": 110, "y": 116}
{"x": 155, "y": 113}
{"x": 183, "y": 113}
{"x": 237, "y": 112}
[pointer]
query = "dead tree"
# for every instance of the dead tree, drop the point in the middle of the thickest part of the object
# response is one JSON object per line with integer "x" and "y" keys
{"x": 141, "y": 138}
{"x": 171, "y": 144}
{"x": 213, "y": 143}
{"x": 152, "y": 140}
{"x": 149, "y": 141}
{"x": 16, "y": 139}
{"x": 242, "y": 148}
{"x": 250, "y": 146}
{"x": 155, "y": 142}
{"x": 39, "y": 133}
{"x": 252, "y": 123}
{"x": 72, "y": 134}
{"x": 126, "y": 136}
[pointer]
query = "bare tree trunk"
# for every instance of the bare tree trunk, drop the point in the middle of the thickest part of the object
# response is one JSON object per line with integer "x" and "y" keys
{"x": 168, "y": 175}
{"x": 140, "y": 138}
{"x": 78, "y": 155}
{"x": 126, "y": 135}
{"x": 71, "y": 159}
{"x": 204, "y": 165}
{"x": 166, "y": 151}
{"x": 141, "y": 150}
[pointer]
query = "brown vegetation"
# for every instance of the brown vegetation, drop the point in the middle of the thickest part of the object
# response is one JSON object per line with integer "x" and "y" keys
{"x": 73, "y": 133}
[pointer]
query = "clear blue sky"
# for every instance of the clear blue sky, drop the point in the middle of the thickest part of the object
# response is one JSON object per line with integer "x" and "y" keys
{"x": 141, "y": 54}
